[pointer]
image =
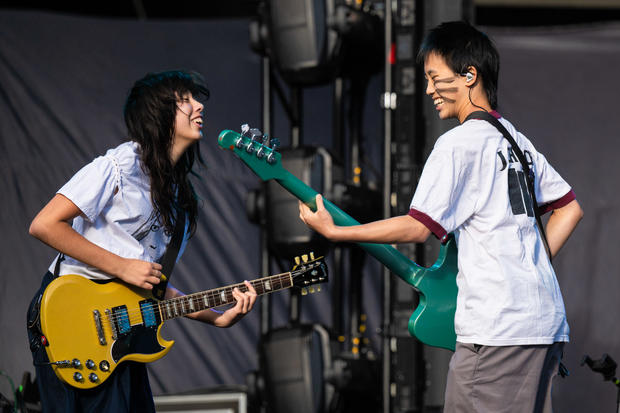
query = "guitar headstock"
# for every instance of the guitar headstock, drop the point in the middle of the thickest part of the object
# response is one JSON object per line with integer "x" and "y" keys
{"x": 258, "y": 151}
{"x": 309, "y": 271}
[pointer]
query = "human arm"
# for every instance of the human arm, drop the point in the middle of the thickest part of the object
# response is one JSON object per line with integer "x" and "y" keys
{"x": 244, "y": 304}
{"x": 561, "y": 224}
{"x": 51, "y": 226}
{"x": 395, "y": 230}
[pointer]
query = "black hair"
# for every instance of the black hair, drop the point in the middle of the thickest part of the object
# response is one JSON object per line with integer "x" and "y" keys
{"x": 461, "y": 46}
{"x": 150, "y": 112}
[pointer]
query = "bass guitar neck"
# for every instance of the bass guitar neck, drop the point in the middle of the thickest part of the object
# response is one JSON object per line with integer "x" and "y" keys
{"x": 433, "y": 320}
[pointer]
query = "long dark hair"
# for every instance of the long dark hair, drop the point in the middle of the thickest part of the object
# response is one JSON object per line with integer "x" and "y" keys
{"x": 461, "y": 45}
{"x": 150, "y": 112}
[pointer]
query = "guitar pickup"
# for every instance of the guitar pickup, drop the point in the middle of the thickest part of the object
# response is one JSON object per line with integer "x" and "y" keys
{"x": 120, "y": 320}
{"x": 149, "y": 316}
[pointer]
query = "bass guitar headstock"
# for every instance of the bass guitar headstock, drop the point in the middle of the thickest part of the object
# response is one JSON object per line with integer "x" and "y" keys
{"x": 309, "y": 271}
{"x": 258, "y": 151}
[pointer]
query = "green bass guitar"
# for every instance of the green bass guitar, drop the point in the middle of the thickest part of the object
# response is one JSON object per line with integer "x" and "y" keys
{"x": 433, "y": 320}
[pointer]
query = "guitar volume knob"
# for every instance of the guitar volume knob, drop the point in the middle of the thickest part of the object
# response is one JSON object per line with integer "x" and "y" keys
{"x": 76, "y": 363}
{"x": 77, "y": 376}
{"x": 90, "y": 364}
{"x": 104, "y": 366}
{"x": 93, "y": 378}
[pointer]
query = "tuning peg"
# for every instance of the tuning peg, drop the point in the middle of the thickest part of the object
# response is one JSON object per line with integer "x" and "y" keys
{"x": 312, "y": 255}
{"x": 275, "y": 144}
{"x": 304, "y": 291}
{"x": 311, "y": 289}
{"x": 297, "y": 260}
{"x": 304, "y": 258}
{"x": 318, "y": 288}
{"x": 261, "y": 150}
{"x": 256, "y": 135}
{"x": 245, "y": 128}
{"x": 249, "y": 148}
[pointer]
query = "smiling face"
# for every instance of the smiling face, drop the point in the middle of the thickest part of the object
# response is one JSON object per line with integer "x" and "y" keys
{"x": 189, "y": 119}
{"x": 447, "y": 89}
{"x": 188, "y": 124}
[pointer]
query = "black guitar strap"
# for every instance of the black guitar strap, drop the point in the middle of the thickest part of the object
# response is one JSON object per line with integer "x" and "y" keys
{"x": 170, "y": 256}
{"x": 59, "y": 259}
{"x": 529, "y": 175}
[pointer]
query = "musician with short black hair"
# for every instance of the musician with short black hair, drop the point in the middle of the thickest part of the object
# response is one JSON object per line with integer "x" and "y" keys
{"x": 510, "y": 319}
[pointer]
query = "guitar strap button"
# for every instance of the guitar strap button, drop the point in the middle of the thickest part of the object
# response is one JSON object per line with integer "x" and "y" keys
{"x": 44, "y": 341}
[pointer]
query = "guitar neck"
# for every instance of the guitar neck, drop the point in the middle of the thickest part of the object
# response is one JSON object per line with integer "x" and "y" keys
{"x": 187, "y": 304}
{"x": 389, "y": 256}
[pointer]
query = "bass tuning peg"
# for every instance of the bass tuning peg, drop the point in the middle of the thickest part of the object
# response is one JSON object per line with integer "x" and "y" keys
{"x": 274, "y": 144}
{"x": 261, "y": 151}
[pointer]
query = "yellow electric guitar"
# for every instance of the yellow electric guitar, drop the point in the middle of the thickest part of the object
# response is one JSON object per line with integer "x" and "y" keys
{"x": 91, "y": 328}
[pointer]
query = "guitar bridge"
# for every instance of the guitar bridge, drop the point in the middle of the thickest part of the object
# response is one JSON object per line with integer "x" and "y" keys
{"x": 112, "y": 324}
{"x": 99, "y": 327}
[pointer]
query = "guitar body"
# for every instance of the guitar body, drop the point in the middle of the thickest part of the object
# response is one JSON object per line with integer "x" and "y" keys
{"x": 69, "y": 324}
{"x": 92, "y": 327}
{"x": 433, "y": 320}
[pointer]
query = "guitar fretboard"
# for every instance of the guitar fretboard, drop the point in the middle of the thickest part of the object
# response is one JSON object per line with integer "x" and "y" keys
{"x": 187, "y": 304}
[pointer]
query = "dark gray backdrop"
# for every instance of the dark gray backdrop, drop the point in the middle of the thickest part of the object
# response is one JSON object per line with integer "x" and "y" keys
{"x": 63, "y": 81}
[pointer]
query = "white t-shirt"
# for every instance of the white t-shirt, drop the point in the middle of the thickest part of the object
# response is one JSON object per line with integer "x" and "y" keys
{"x": 474, "y": 186}
{"x": 114, "y": 195}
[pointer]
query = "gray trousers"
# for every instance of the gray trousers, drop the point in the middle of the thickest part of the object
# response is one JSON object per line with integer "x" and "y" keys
{"x": 501, "y": 379}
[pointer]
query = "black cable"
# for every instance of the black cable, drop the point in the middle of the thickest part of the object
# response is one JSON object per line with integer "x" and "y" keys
{"x": 472, "y": 102}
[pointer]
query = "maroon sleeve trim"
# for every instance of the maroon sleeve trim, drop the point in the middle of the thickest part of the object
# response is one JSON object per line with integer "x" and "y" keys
{"x": 566, "y": 199}
{"x": 434, "y": 227}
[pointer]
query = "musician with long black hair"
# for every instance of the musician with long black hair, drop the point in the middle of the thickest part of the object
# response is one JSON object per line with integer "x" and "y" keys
{"x": 114, "y": 219}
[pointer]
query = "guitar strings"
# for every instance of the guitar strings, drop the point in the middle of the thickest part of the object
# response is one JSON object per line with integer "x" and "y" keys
{"x": 134, "y": 315}
{"x": 183, "y": 301}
